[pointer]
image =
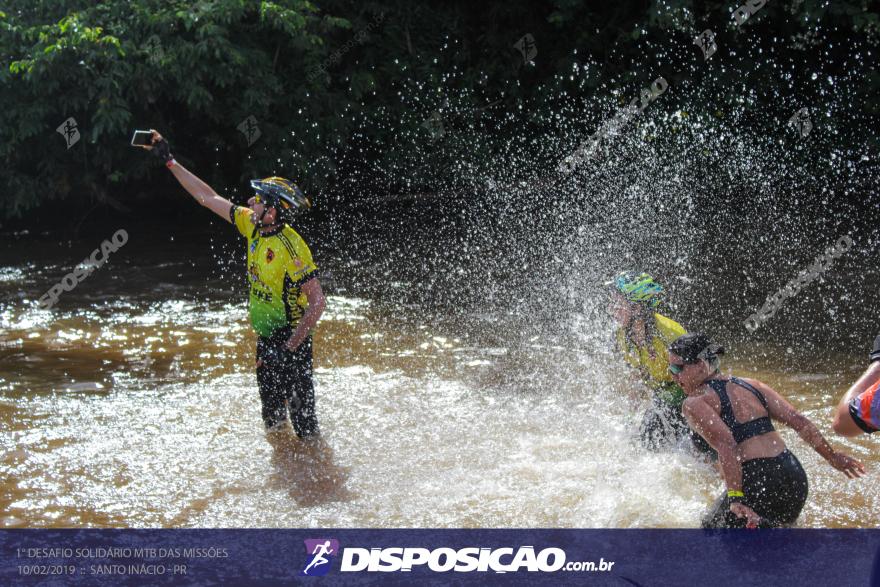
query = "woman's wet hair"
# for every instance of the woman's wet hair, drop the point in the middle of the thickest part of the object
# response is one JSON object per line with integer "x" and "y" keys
{"x": 694, "y": 346}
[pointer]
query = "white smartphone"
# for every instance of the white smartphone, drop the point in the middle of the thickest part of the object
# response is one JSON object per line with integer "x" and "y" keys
{"x": 141, "y": 138}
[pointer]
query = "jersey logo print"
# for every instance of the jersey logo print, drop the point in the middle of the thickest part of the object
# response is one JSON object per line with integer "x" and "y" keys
{"x": 254, "y": 273}
{"x": 269, "y": 255}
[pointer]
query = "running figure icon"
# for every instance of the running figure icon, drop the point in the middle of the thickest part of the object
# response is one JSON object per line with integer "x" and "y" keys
{"x": 319, "y": 552}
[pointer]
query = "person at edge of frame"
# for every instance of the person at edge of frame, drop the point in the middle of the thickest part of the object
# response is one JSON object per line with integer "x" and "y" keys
{"x": 286, "y": 299}
{"x": 766, "y": 484}
{"x": 642, "y": 338}
{"x": 859, "y": 409}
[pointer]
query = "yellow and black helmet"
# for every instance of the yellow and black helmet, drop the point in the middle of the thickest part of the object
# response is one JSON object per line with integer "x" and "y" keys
{"x": 281, "y": 193}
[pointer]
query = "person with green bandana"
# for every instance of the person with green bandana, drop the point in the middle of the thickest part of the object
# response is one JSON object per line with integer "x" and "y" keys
{"x": 286, "y": 299}
{"x": 642, "y": 338}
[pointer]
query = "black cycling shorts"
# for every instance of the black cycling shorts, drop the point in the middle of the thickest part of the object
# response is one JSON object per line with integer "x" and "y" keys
{"x": 285, "y": 381}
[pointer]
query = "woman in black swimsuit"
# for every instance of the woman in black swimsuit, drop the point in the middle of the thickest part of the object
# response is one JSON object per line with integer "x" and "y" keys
{"x": 766, "y": 485}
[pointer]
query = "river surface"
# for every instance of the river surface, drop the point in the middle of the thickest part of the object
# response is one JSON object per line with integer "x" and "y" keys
{"x": 133, "y": 402}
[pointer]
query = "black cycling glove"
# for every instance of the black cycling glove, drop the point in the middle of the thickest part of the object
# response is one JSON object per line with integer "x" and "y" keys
{"x": 162, "y": 150}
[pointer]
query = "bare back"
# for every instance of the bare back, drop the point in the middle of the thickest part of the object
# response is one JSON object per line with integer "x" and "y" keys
{"x": 747, "y": 407}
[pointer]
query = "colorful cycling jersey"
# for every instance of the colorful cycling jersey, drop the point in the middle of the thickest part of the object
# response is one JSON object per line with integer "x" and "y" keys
{"x": 654, "y": 366}
{"x": 279, "y": 264}
{"x": 865, "y": 409}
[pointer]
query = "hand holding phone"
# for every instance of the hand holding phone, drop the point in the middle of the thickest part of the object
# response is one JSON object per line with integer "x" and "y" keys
{"x": 152, "y": 141}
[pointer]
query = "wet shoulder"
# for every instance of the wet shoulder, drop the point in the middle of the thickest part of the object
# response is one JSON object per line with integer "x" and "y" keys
{"x": 690, "y": 404}
{"x": 747, "y": 393}
{"x": 709, "y": 396}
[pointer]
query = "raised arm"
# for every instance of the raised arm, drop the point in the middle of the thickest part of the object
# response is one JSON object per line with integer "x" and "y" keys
{"x": 199, "y": 190}
{"x": 786, "y": 413}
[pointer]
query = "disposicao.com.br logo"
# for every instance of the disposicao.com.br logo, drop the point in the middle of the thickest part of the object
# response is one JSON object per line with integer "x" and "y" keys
{"x": 443, "y": 560}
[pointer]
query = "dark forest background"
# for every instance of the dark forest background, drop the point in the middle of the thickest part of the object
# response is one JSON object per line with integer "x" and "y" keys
{"x": 372, "y": 101}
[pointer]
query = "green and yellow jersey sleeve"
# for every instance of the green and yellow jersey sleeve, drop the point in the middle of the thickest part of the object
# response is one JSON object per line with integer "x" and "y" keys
{"x": 668, "y": 330}
{"x": 279, "y": 264}
{"x": 241, "y": 218}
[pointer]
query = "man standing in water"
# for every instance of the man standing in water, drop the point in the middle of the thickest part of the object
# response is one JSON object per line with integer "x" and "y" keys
{"x": 286, "y": 299}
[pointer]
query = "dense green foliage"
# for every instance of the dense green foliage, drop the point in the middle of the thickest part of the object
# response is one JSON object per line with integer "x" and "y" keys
{"x": 344, "y": 93}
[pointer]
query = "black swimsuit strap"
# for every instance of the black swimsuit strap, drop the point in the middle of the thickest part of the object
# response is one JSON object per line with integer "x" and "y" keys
{"x": 718, "y": 386}
{"x": 754, "y": 391}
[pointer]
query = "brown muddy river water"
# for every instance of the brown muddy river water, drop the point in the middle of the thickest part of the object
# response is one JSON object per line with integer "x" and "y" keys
{"x": 133, "y": 403}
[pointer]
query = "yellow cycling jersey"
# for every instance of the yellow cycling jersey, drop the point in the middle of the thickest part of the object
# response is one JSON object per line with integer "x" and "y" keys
{"x": 279, "y": 264}
{"x": 655, "y": 369}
